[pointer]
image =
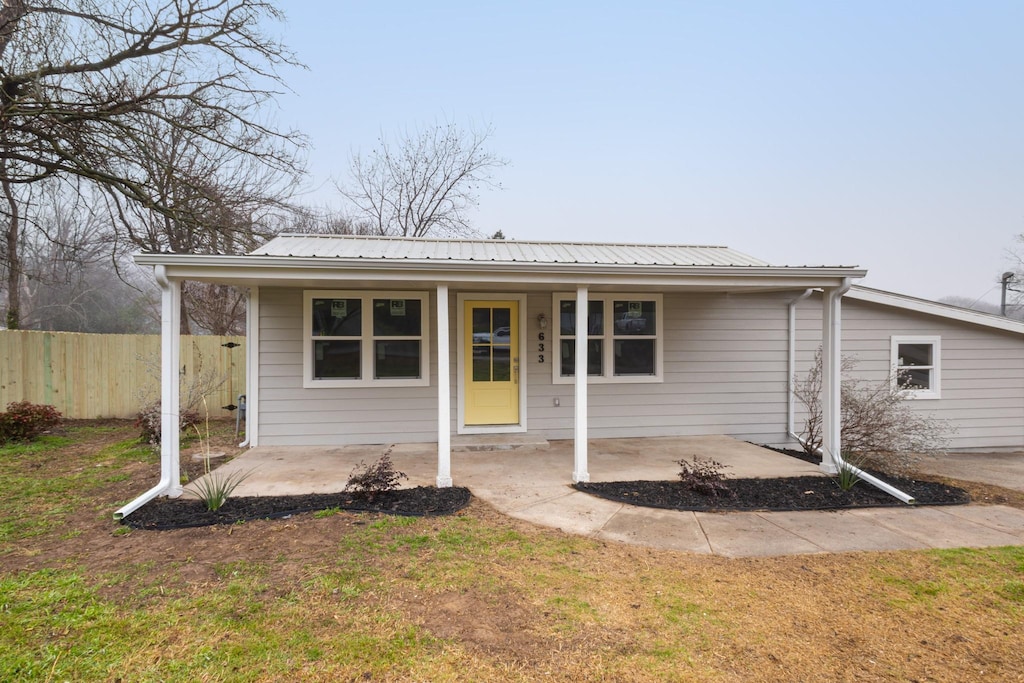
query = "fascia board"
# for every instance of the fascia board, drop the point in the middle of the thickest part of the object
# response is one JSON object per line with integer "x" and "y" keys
{"x": 283, "y": 269}
{"x": 878, "y": 296}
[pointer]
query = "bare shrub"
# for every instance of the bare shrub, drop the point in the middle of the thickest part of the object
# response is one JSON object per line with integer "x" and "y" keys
{"x": 879, "y": 427}
{"x": 194, "y": 388}
{"x": 376, "y": 478}
{"x": 703, "y": 476}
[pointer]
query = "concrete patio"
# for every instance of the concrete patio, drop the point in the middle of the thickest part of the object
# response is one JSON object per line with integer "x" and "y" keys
{"x": 529, "y": 479}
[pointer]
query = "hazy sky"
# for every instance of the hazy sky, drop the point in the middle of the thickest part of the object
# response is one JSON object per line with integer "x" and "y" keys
{"x": 888, "y": 135}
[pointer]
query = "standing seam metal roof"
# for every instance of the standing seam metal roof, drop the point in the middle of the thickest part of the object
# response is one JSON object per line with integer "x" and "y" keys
{"x": 502, "y": 251}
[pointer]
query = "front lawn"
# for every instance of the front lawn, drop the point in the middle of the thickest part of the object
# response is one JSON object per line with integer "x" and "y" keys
{"x": 473, "y": 596}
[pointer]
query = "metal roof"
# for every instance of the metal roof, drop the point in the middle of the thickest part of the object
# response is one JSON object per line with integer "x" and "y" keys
{"x": 501, "y": 251}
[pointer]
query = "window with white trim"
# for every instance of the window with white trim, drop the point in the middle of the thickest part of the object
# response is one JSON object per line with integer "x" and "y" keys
{"x": 916, "y": 364}
{"x": 355, "y": 338}
{"x": 624, "y": 339}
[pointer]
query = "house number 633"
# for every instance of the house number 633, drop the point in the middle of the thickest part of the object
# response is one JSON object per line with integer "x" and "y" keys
{"x": 540, "y": 347}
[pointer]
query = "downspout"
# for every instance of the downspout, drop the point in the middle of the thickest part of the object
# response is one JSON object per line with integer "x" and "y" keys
{"x": 169, "y": 469}
{"x": 837, "y": 457}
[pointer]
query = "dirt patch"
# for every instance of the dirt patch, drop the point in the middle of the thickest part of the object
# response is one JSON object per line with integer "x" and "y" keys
{"x": 506, "y": 630}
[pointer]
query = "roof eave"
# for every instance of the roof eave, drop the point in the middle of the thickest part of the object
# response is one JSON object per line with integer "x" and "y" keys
{"x": 192, "y": 265}
{"x": 879, "y": 296}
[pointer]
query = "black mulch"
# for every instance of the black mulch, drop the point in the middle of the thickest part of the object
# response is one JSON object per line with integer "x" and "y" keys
{"x": 180, "y": 513}
{"x": 790, "y": 493}
{"x": 777, "y": 495}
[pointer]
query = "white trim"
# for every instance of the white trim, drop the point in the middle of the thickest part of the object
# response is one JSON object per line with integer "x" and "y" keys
{"x": 461, "y": 426}
{"x": 935, "y": 389}
{"x": 366, "y": 338}
{"x": 608, "y": 375}
{"x": 252, "y": 370}
{"x": 580, "y": 471}
{"x": 320, "y": 272}
{"x": 909, "y": 303}
{"x": 831, "y": 377}
{"x": 444, "y": 392}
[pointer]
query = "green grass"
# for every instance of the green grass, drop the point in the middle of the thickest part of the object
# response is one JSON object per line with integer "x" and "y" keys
{"x": 35, "y": 505}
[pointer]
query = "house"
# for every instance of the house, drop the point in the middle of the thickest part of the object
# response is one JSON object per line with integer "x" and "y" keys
{"x": 357, "y": 339}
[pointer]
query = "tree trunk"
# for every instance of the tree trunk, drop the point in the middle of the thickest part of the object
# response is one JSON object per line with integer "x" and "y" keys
{"x": 12, "y": 237}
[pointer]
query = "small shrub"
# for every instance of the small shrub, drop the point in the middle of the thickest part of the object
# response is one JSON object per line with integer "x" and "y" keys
{"x": 846, "y": 477}
{"x": 703, "y": 476}
{"x": 148, "y": 420}
{"x": 24, "y": 421}
{"x": 215, "y": 488}
{"x": 376, "y": 478}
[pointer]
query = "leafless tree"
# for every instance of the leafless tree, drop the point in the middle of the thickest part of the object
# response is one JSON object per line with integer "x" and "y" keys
{"x": 86, "y": 86}
{"x": 1015, "y": 286}
{"x": 72, "y": 277}
{"x": 325, "y": 221}
{"x": 423, "y": 184}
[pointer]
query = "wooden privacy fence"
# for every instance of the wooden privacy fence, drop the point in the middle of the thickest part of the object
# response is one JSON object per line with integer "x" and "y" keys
{"x": 113, "y": 375}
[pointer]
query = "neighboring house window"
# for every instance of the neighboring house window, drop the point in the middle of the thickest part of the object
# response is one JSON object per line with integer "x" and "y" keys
{"x": 624, "y": 339}
{"x": 365, "y": 338}
{"x": 916, "y": 365}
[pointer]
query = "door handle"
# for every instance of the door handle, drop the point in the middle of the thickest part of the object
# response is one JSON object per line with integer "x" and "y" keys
{"x": 515, "y": 370}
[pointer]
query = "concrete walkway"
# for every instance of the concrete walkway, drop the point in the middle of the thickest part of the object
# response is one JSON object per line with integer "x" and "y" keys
{"x": 998, "y": 469}
{"x": 531, "y": 483}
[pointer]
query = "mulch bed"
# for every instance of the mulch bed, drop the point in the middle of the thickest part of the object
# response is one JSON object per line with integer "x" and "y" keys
{"x": 790, "y": 493}
{"x": 180, "y": 513}
{"x": 777, "y": 495}
{"x": 783, "y": 494}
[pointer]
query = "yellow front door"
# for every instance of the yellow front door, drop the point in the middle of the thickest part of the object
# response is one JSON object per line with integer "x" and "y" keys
{"x": 492, "y": 362}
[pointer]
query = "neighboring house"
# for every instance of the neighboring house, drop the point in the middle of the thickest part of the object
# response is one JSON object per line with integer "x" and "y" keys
{"x": 382, "y": 340}
{"x": 964, "y": 367}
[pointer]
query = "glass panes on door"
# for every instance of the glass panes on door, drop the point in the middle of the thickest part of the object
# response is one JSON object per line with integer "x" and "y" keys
{"x": 492, "y": 344}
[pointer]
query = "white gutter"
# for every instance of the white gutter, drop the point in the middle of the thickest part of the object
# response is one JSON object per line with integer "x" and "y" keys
{"x": 170, "y": 347}
{"x": 186, "y": 265}
{"x": 837, "y": 457}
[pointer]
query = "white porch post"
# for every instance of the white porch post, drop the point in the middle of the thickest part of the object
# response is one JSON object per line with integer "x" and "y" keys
{"x": 831, "y": 376}
{"x": 252, "y": 368}
{"x": 170, "y": 378}
{"x": 580, "y": 472}
{"x": 444, "y": 392}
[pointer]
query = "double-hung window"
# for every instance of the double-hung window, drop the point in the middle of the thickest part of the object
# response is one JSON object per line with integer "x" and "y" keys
{"x": 354, "y": 338}
{"x": 916, "y": 365}
{"x": 624, "y": 338}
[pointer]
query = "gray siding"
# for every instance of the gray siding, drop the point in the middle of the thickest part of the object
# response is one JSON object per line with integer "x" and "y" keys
{"x": 982, "y": 368}
{"x": 724, "y": 371}
{"x": 293, "y": 415}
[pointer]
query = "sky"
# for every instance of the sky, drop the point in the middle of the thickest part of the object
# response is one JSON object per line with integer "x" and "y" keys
{"x": 887, "y": 135}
